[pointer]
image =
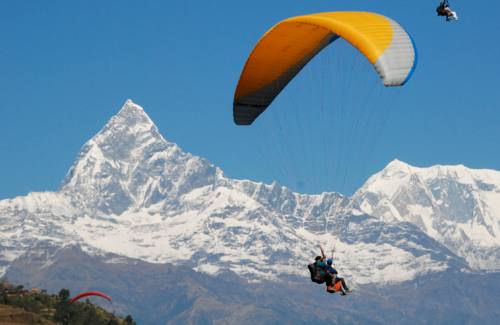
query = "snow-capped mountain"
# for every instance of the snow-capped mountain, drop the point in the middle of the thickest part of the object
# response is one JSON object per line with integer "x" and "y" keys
{"x": 132, "y": 193}
{"x": 457, "y": 206}
{"x": 129, "y": 166}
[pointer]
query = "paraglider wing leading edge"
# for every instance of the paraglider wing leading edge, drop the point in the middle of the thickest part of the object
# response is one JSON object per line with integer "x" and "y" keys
{"x": 89, "y": 293}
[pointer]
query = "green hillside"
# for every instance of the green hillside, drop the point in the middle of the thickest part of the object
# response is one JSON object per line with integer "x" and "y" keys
{"x": 35, "y": 306}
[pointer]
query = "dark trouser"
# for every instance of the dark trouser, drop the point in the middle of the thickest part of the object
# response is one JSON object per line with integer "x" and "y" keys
{"x": 343, "y": 283}
{"x": 328, "y": 280}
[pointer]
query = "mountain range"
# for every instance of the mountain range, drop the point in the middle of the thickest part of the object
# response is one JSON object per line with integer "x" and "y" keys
{"x": 134, "y": 198}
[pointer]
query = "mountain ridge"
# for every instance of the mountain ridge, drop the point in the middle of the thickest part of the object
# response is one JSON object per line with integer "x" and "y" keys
{"x": 456, "y": 205}
{"x": 132, "y": 193}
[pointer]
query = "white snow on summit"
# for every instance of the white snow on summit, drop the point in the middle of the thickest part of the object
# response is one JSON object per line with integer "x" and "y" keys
{"x": 456, "y": 205}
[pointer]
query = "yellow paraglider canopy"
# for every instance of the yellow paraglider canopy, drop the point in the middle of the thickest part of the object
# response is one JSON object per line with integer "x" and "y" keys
{"x": 288, "y": 46}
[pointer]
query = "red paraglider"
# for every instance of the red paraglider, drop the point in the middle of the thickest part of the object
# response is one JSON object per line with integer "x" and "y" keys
{"x": 89, "y": 293}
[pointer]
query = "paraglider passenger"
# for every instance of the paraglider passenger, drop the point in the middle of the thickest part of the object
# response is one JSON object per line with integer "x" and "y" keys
{"x": 333, "y": 278}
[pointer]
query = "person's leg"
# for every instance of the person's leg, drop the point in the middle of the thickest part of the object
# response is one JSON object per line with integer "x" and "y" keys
{"x": 329, "y": 283}
{"x": 344, "y": 286}
{"x": 338, "y": 287}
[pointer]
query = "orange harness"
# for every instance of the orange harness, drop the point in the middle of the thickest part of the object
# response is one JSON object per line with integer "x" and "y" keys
{"x": 337, "y": 287}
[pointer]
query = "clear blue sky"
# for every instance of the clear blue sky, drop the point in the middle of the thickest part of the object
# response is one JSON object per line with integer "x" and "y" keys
{"x": 67, "y": 66}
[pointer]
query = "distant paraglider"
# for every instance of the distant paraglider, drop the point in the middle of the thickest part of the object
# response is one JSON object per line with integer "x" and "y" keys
{"x": 288, "y": 46}
{"x": 89, "y": 293}
{"x": 445, "y": 10}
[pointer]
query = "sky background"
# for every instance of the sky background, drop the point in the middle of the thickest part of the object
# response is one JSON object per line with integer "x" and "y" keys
{"x": 67, "y": 67}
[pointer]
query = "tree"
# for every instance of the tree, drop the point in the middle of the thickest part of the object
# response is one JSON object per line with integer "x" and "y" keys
{"x": 62, "y": 307}
{"x": 64, "y": 295}
{"x": 129, "y": 320}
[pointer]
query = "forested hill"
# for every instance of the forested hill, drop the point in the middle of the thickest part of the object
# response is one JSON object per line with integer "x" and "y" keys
{"x": 35, "y": 306}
